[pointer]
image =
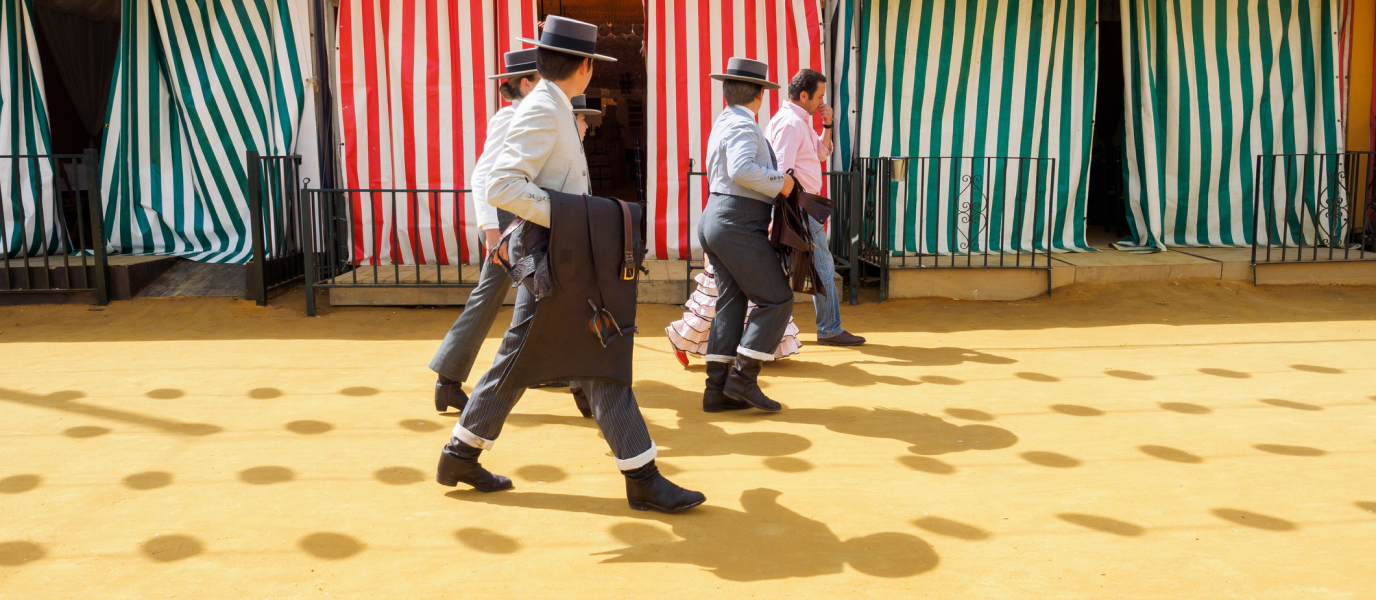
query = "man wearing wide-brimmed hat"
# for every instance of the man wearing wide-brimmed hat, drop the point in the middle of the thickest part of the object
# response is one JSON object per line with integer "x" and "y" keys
{"x": 454, "y": 360}
{"x": 542, "y": 151}
{"x": 742, "y": 184}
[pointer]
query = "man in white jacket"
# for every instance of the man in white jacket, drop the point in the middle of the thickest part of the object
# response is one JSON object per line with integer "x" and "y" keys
{"x": 543, "y": 152}
{"x": 454, "y": 360}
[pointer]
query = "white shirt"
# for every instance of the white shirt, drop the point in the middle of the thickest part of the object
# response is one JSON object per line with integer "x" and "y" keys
{"x": 797, "y": 147}
{"x": 496, "y": 136}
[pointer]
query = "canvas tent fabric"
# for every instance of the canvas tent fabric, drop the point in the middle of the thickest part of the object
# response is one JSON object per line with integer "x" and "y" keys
{"x": 414, "y": 103}
{"x": 685, "y": 42}
{"x": 26, "y": 186}
{"x": 1209, "y": 87}
{"x": 1003, "y": 78}
{"x": 199, "y": 83}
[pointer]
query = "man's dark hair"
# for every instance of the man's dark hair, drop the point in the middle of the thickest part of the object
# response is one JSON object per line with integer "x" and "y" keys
{"x": 557, "y": 66}
{"x": 511, "y": 88}
{"x": 805, "y": 80}
{"x": 740, "y": 93}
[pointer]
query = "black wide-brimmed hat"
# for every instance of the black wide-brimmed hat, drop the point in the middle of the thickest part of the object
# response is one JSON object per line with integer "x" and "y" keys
{"x": 749, "y": 71}
{"x": 580, "y": 106}
{"x": 567, "y": 35}
{"x": 519, "y": 63}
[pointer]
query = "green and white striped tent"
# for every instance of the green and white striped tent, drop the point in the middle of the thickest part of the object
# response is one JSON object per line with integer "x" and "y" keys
{"x": 1210, "y": 85}
{"x": 199, "y": 83}
{"x": 27, "y": 209}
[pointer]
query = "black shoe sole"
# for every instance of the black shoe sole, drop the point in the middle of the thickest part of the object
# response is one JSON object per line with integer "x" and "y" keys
{"x": 824, "y": 342}
{"x": 747, "y": 401}
{"x": 717, "y": 409}
{"x": 645, "y": 506}
{"x": 455, "y": 483}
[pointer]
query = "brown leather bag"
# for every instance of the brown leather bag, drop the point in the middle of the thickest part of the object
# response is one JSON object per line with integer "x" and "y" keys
{"x": 792, "y": 238}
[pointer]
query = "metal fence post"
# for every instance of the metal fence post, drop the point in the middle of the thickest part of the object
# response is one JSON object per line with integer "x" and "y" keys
{"x": 255, "y": 209}
{"x": 308, "y": 250}
{"x": 96, "y": 204}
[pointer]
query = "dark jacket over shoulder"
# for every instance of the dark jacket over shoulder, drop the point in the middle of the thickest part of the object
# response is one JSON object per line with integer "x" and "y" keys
{"x": 585, "y": 256}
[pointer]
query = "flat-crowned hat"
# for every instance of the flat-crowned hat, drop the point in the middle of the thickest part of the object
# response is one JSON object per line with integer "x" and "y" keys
{"x": 580, "y": 106}
{"x": 519, "y": 63}
{"x": 749, "y": 71}
{"x": 567, "y": 35}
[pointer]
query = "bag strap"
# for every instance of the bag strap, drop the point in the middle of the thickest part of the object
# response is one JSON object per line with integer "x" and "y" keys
{"x": 628, "y": 249}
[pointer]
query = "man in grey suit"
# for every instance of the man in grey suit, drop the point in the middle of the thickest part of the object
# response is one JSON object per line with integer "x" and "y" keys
{"x": 457, "y": 352}
{"x": 742, "y": 182}
{"x": 543, "y": 150}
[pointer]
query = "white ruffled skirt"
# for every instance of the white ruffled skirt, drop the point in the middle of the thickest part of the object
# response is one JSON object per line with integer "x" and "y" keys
{"x": 689, "y": 335}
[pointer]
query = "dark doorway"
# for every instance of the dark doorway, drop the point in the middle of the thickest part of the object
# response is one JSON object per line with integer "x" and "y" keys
{"x": 1105, "y": 211}
{"x": 616, "y": 140}
{"x": 77, "y": 45}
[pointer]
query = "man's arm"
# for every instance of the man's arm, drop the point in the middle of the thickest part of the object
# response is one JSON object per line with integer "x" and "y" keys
{"x": 529, "y": 142}
{"x": 824, "y": 140}
{"x": 742, "y": 145}
{"x": 496, "y": 138}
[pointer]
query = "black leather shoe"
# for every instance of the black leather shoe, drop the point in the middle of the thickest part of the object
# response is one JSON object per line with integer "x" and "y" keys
{"x": 581, "y": 401}
{"x": 646, "y": 489}
{"x": 459, "y": 464}
{"x": 449, "y": 393}
{"x": 713, "y": 400}
{"x": 743, "y": 384}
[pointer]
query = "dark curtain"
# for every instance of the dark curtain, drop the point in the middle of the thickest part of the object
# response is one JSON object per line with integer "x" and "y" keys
{"x": 85, "y": 51}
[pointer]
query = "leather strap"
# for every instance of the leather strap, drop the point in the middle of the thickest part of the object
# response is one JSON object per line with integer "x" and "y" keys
{"x": 628, "y": 250}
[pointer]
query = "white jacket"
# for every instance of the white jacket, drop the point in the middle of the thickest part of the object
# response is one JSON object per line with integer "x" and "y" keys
{"x": 542, "y": 150}
{"x": 496, "y": 138}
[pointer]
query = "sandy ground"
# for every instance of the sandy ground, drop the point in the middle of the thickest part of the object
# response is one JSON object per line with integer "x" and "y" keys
{"x": 1201, "y": 440}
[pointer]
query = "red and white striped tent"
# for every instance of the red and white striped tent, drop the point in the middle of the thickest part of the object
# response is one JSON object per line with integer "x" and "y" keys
{"x": 414, "y": 102}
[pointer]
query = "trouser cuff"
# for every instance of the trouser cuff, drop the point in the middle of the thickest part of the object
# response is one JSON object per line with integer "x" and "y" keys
{"x": 471, "y": 439}
{"x": 640, "y": 460}
{"x": 720, "y": 358}
{"x": 755, "y": 354}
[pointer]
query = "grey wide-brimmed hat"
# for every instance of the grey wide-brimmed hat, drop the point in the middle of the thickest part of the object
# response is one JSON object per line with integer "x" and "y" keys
{"x": 749, "y": 71}
{"x": 580, "y": 105}
{"x": 519, "y": 63}
{"x": 567, "y": 35}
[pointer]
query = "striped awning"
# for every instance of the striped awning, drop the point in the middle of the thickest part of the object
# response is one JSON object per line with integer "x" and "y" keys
{"x": 198, "y": 85}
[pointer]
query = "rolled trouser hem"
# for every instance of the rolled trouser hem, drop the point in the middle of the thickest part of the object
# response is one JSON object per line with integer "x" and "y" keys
{"x": 823, "y": 336}
{"x": 468, "y": 437}
{"x": 755, "y": 354}
{"x": 640, "y": 460}
{"x": 720, "y": 358}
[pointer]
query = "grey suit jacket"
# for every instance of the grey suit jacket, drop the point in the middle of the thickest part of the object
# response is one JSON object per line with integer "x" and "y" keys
{"x": 542, "y": 150}
{"x": 739, "y": 159}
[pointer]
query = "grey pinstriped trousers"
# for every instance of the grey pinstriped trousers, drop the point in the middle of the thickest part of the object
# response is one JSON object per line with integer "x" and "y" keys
{"x": 613, "y": 405}
{"x": 734, "y": 232}
{"x": 460, "y": 347}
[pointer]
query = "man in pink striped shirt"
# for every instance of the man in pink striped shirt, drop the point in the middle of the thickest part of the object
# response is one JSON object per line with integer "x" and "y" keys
{"x": 799, "y": 148}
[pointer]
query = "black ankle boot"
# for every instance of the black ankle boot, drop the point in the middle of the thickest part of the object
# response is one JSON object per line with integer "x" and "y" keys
{"x": 459, "y": 463}
{"x": 646, "y": 489}
{"x": 713, "y": 399}
{"x": 743, "y": 384}
{"x": 581, "y": 401}
{"x": 449, "y": 393}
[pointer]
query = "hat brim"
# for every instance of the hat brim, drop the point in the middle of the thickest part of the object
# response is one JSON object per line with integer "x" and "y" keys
{"x": 513, "y": 75}
{"x": 586, "y": 111}
{"x": 537, "y": 44}
{"x": 768, "y": 85}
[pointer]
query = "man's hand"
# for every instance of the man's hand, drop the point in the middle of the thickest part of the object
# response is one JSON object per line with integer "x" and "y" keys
{"x": 493, "y": 236}
{"x": 788, "y": 185}
{"x": 825, "y": 112}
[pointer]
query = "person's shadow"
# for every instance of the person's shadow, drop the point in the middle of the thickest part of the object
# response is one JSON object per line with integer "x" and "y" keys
{"x": 926, "y": 434}
{"x": 766, "y": 541}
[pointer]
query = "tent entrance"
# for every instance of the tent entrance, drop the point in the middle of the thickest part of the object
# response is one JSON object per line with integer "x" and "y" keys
{"x": 77, "y": 45}
{"x": 1106, "y": 204}
{"x": 616, "y": 140}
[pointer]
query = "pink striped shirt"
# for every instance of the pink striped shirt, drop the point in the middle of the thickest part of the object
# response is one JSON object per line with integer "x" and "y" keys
{"x": 797, "y": 147}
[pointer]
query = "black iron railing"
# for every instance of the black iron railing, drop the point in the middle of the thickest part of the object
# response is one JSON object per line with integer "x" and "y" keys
{"x": 844, "y": 189}
{"x": 383, "y": 238}
{"x": 274, "y": 189}
{"x": 1314, "y": 208}
{"x": 51, "y": 229}
{"x": 956, "y": 212}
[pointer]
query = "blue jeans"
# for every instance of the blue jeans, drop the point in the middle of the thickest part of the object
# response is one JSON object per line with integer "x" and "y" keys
{"x": 829, "y": 307}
